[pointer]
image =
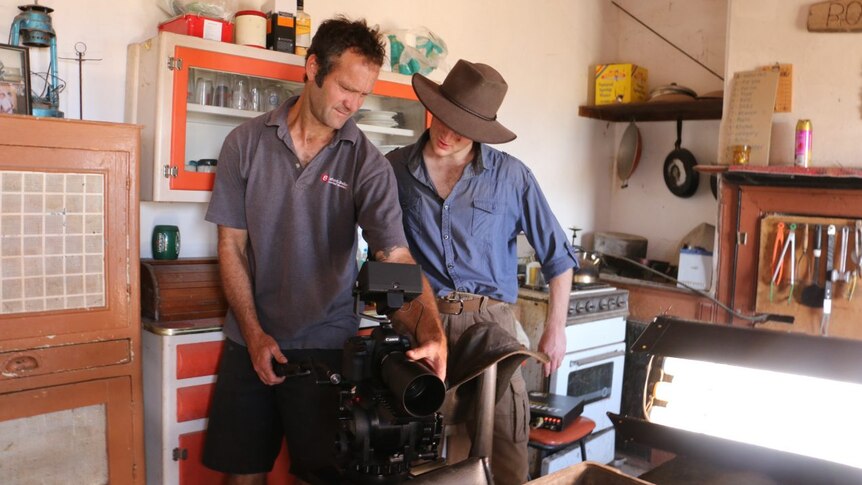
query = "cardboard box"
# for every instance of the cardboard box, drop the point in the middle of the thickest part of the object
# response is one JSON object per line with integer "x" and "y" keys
{"x": 281, "y": 32}
{"x": 621, "y": 83}
{"x": 199, "y": 26}
{"x": 588, "y": 473}
{"x": 695, "y": 268}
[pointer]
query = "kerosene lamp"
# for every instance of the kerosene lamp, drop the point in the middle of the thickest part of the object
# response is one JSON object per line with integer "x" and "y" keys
{"x": 32, "y": 28}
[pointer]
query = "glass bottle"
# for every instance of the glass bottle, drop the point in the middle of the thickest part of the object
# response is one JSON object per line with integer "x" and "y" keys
{"x": 303, "y": 30}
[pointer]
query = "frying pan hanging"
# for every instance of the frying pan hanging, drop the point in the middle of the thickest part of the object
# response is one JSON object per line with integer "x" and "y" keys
{"x": 679, "y": 174}
{"x": 629, "y": 153}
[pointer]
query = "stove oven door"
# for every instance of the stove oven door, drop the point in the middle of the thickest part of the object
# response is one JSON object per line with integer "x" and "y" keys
{"x": 595, "y": 375}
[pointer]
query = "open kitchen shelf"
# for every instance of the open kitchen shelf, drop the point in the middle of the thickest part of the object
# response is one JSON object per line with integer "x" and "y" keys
{"x": 702, "y": 109}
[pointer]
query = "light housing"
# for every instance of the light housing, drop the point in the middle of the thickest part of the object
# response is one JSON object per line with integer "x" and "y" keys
{"x": 788, "y": 404}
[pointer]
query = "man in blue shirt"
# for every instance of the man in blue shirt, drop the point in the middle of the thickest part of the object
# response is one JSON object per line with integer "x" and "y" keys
{"x": 463, "y": 205}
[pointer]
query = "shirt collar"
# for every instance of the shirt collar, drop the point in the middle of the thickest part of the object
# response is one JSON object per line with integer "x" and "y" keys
{"x": 278, "y": 118}
{"x": 483, "y": 162}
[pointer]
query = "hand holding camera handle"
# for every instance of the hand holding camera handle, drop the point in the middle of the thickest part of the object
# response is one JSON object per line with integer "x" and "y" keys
{"x": 302, "y": 369}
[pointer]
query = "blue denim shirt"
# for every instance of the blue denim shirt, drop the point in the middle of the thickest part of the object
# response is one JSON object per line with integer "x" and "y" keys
{"x": 467, "y": 242}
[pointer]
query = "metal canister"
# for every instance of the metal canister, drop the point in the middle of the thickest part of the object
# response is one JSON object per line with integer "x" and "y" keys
{"x": 804, "y": 133}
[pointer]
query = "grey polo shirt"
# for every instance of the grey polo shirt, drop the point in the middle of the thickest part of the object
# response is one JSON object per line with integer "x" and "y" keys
{"x": 301, "y": 225}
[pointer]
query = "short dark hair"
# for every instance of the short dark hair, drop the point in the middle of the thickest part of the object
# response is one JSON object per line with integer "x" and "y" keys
{"x": 337, "y": 35}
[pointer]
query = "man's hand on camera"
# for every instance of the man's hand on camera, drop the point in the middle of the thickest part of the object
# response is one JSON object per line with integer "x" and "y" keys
{"x": 263, "y": 349}
{"x": 433, "y": 354}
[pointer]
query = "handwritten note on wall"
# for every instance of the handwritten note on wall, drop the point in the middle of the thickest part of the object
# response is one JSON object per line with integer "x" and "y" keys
{"x": 749, "y": 116}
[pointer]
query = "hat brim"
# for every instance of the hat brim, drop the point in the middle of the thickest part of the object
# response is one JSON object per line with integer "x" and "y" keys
{"x": 461, "y": 121}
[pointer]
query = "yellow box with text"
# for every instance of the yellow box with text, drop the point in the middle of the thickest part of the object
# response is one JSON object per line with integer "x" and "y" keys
{"x": 621, "y": 83}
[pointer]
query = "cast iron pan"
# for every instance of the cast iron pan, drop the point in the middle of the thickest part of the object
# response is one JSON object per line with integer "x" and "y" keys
{"x": 629, "y": 153}
{"x": 679, "y": 174}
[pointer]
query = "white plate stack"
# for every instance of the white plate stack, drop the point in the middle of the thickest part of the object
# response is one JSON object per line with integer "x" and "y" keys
{"x": 377, "y": 118}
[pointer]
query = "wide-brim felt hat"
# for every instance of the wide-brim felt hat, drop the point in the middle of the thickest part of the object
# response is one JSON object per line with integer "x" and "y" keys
{"x": 467, "y": 101}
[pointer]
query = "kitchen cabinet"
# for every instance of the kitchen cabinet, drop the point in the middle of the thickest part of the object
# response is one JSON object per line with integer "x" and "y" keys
{"x": 189, "y": 93}
{"x": 750, "y": 197}
{"x": 70, "y": 386}
{"x": 648, "y": 300}
{"x": 180, "y": 365}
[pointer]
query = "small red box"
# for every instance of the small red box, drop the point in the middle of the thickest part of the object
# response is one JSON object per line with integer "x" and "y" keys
{"x": 199, "y": 26}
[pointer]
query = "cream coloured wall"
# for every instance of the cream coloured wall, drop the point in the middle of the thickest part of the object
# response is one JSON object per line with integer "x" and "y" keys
{"x": 827, "y": 77}
{"x": 646, "y": 207}
{"x": 543, "y": 48}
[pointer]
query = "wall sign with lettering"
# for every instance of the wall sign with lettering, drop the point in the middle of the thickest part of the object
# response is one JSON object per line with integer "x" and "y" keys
{"x": 835, "y": 16}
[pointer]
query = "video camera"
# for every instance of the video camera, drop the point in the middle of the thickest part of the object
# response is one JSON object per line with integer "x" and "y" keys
{"x": 388, "y": 404}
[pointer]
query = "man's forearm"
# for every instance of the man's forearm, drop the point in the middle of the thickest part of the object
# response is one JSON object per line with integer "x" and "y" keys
{"x": 560, "y": 289}
{"x": 236, "y": 282}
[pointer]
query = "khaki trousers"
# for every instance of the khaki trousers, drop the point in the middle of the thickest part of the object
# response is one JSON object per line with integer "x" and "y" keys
{"x": 511, "y": 415}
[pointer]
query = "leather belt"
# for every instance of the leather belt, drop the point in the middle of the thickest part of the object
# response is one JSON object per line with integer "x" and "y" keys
{"x": 457, "y": 304}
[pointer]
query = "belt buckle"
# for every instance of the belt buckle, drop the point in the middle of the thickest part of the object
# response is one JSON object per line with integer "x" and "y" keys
{"x": 453, "y": 298}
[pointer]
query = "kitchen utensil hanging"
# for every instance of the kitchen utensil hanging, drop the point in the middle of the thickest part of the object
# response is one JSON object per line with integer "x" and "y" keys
{"x": 629, "y": 153}
{"x": 679, "y": 174}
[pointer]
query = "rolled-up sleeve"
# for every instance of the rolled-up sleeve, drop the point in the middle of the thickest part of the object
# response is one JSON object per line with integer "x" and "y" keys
{"x": 543, "y": 231}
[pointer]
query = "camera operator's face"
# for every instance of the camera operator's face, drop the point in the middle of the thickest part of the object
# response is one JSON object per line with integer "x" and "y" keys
{"x": 344, "y": 89}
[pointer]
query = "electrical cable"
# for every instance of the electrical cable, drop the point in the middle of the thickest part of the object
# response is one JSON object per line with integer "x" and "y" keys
{"x": 668, "y": 41}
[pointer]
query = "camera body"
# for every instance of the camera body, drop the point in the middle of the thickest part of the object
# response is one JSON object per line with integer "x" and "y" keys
{"x": 388, "y": 409}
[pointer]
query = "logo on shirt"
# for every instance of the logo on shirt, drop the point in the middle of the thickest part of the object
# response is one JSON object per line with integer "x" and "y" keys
{"x": 325, "y": 178}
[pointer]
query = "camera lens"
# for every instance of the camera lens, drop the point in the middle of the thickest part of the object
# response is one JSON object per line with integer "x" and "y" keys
{"x": 418, "y": 391}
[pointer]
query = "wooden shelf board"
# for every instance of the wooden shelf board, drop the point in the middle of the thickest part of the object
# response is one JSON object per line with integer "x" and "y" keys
{"x": 703, "y": 109}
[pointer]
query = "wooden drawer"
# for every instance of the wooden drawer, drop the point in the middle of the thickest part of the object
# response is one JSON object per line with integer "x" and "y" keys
{"x": 193, "y": 402}
{"x": 64, "y": 358}
{"x": 198, "y": 359}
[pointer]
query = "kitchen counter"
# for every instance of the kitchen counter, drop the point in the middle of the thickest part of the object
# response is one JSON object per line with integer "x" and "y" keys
{"x": 649, "y": 299}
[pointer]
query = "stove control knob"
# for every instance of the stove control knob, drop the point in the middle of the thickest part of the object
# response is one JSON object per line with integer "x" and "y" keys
{"x": 612, "y": 303}
{"x": 603, "y": 304}
{"x": 591, "y": 306}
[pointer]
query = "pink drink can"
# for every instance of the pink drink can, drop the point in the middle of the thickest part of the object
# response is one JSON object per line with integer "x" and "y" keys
{"x": 804, "y": 133}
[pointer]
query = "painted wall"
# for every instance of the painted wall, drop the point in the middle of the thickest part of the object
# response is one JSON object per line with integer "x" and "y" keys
{"x": 646, "y": 207}
{"x": 827, "y": 77}
{"x": 543, "y": 49}
{"x": 573, "y": 158}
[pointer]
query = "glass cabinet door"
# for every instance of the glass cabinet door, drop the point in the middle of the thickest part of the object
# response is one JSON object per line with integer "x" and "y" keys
{"x": 391, "y": 122}
{"x": 213, "y": 94}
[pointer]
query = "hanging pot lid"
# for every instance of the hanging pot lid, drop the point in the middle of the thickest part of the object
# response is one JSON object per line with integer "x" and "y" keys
{"x": 679, "y": 174}
{"x": 629, "y": 153}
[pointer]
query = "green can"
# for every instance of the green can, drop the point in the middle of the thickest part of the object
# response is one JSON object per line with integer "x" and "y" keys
{"x": 166, "y": 242}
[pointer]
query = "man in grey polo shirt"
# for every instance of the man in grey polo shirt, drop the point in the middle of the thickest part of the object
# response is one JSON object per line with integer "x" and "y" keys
{"x": 291, "y": 187}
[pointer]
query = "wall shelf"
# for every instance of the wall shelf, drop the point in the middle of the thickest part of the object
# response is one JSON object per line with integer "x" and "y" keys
{"x": 702, "y": 109}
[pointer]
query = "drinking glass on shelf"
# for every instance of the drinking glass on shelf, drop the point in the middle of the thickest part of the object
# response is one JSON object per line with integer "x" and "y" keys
{"x": 255, "y": 95}
{"x": 221, "y": 93}
{"x": 240, "y": 94}
{"x": 204, "y": 90}
{"x": 190, "y": 87}
{"x": 272, "y": 97}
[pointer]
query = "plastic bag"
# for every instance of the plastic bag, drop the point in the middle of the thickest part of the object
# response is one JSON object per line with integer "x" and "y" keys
{"x": 415, "y": 50}
{"x": 219, "y": 9}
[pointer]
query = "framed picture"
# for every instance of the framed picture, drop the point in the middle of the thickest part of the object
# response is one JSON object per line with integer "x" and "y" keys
{"x": 14, "y": 80}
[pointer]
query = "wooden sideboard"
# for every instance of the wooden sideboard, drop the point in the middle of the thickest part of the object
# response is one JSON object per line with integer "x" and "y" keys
{"x": 71, "y": 404}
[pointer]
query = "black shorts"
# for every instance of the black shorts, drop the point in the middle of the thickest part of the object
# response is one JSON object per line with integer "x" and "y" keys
{"x": 248, "y": 418}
